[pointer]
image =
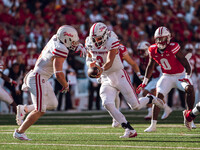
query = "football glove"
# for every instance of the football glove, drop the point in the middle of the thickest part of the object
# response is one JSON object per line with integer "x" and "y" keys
{"x": 82, "y": 50}
{"x": 65, "y": 89}
{"x": 140, "y": 87}
{"x": 12, "y": 82}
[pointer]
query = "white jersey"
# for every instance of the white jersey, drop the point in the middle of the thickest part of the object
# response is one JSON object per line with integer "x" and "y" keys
{"x": 100, "y": 54}
{"x": 44, "y": 64}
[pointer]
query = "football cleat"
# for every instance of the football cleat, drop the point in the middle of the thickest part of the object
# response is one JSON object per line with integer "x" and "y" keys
{"x": 157, "y": 101}
{"x": 187, "y": 123}
{"x": 20, "y": 136}
{"x": 20, "y": 114}
{"x": 151, "y": 128}
{"x": 115, "y": 124}
{"x": 166, "y": 113}
{"x": 129, "y": 134}
{"x": 193, "y": 125}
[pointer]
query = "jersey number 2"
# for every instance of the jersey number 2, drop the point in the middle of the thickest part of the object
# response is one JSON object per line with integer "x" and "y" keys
{"x": 100, "y": 60}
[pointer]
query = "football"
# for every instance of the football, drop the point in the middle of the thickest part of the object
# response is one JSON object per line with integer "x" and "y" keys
{"x": 92, "y": 72}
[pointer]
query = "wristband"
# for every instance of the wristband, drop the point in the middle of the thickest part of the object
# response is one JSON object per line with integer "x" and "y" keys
{"x": 145, "y": 81}
{"x": 57, "y": 72}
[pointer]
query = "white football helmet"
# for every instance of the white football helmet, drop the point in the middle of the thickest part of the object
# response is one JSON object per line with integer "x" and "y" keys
{"x": 197, "y": 48}
{"x": 99, "y": 34}
{"x": 68, "y": 36}
{"x": 189, "y": 48}
{"x": 162, "y": 37}
{"x": 142, "y": 48}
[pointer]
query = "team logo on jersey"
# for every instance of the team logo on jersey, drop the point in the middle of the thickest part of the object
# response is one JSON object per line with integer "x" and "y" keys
{"x": 67, "y": 34}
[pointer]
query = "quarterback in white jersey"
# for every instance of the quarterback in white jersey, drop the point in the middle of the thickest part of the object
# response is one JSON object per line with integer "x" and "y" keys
{"x": 103, "y": 53}
{"x": 49, "y": 62}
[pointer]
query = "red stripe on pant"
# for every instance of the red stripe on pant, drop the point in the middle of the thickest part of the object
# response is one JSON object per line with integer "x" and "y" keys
{"x": 129, "y": 81}
{"x": 39, "y": 92}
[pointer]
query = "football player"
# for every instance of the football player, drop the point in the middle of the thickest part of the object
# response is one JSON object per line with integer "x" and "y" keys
{"x": 142, "y": 49}
{"x": 103, "y": 53}
{"x": 124, "y": 55}
{"x": 176, "y": 72}
{"x": 49, "y": 62}
{"x": 5, "y": 96}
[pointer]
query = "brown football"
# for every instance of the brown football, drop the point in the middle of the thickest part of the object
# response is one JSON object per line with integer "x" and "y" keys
{"x": 92, "y": 72}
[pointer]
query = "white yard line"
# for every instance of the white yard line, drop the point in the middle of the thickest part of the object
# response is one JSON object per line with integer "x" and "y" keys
{"x": 112, "y": 146}
{"x": 77, "y": 133}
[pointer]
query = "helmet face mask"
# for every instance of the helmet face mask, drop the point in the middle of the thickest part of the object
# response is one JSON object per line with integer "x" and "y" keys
{"x": 142, "y": 49}
{"x": 99, "y": 34}
{"x": 68, "y": 36}
{"x": 161, "y": 42}
{"x": 162, "y": 37}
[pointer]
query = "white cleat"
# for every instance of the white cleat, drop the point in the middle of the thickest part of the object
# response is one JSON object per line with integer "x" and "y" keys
{"x": 157, "y": 101}
{"x": 115, "y": 124}
{"x": 20, "y": 114}
{"x": 166, "y": 113}
{"x": 150, "y": 129}
{"x": 129, "y": 134}
{"x": 193, "y": 125}
{"x": 20, "y": 136}
{"x": 187, "y": 123}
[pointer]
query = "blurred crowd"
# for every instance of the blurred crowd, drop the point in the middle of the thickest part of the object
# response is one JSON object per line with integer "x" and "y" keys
{"x": 27, "y": 25}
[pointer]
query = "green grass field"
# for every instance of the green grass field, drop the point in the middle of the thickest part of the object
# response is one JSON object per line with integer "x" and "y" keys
{"x": 92, "y": 130}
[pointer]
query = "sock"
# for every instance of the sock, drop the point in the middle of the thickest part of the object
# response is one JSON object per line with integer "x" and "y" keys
{"x": 195, "y": 111}
{"x": 127, "y": 125}
{"x": 153, "y": 122}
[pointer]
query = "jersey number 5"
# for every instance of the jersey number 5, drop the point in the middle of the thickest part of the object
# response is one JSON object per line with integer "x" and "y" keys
{"x": 165, "y": 64}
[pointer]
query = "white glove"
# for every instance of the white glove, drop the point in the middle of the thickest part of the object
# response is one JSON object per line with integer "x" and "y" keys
{"x": 82, "y": 49}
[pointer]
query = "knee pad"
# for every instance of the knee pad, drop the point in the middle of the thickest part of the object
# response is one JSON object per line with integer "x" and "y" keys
{"x": 189, "y": 89}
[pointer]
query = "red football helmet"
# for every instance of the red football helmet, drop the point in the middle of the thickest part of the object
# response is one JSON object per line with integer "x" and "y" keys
{"x": 162, "y": 37}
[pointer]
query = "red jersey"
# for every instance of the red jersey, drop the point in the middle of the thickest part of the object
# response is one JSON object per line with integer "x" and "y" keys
{"x": 122, "y": 51}
{"x": 167, "y": 60}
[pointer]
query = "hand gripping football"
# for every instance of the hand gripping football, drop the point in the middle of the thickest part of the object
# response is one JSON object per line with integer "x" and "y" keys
{"x": 93, "y": 72}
